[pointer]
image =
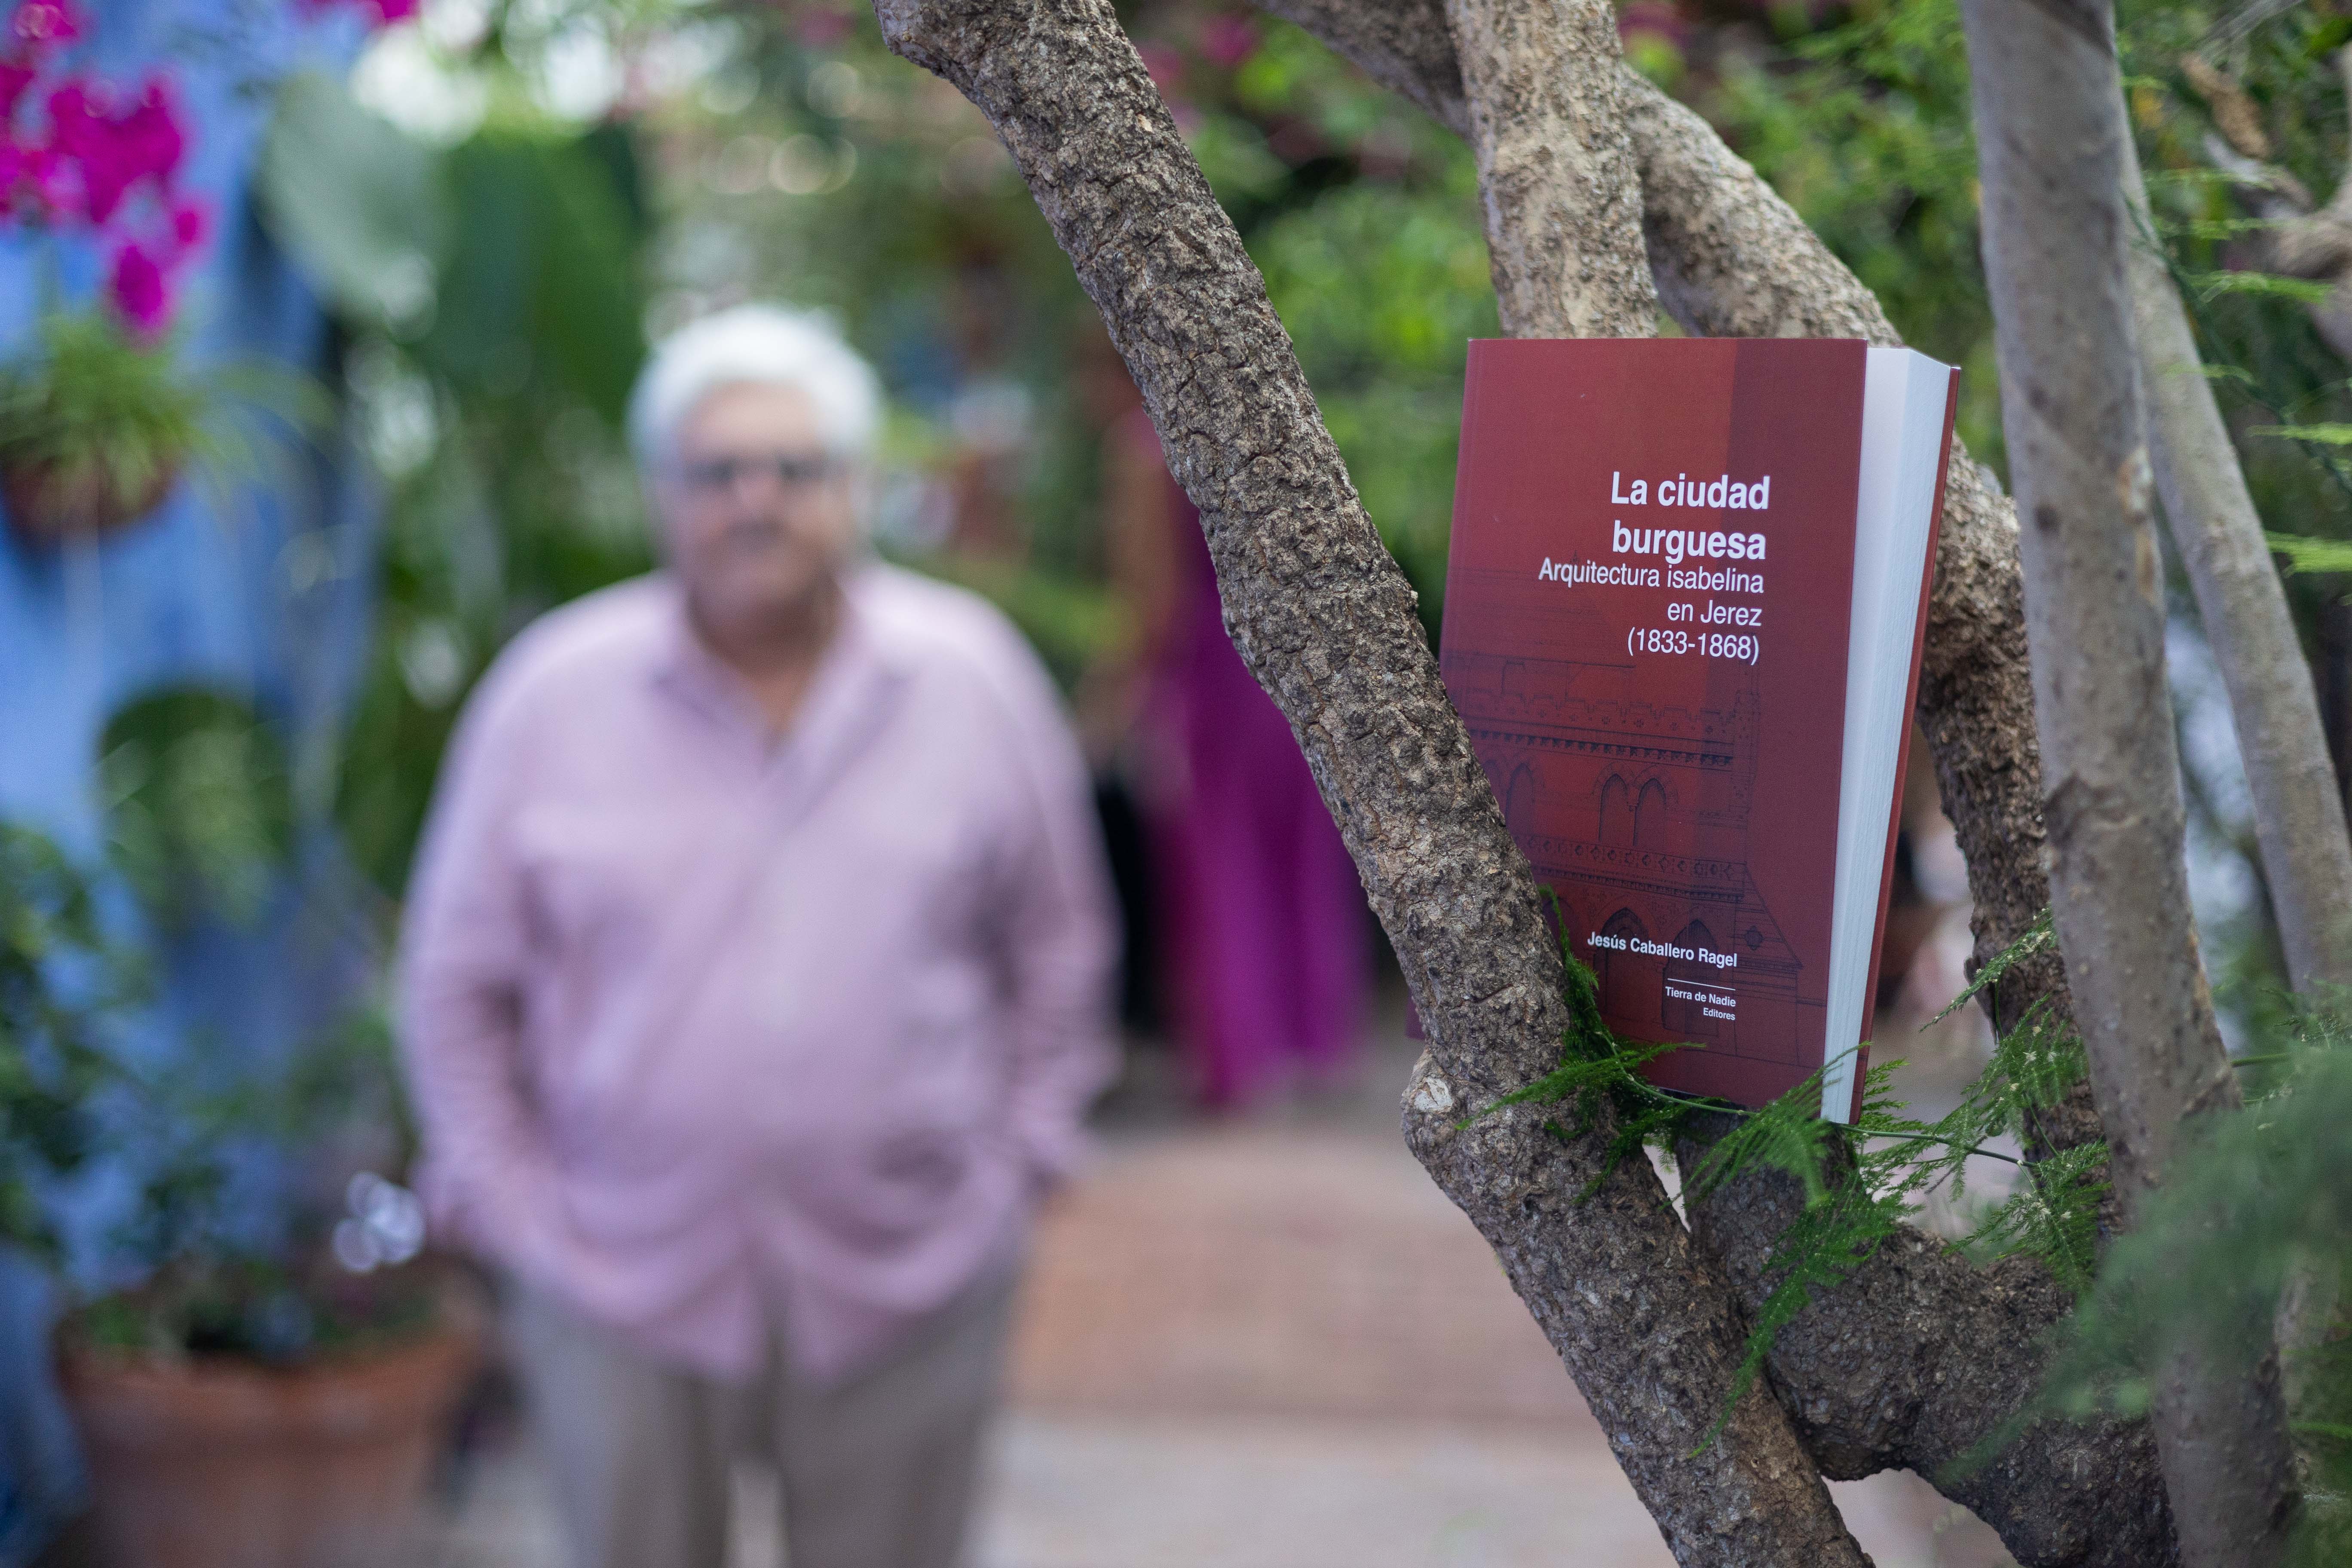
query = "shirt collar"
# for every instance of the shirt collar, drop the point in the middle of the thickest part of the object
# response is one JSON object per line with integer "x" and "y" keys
{"x": 860, "y": 661}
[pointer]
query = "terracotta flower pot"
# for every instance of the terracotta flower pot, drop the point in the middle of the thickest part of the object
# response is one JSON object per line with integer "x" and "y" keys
{"x": 46, "y": 508}
{"x": 217, "y": 1462}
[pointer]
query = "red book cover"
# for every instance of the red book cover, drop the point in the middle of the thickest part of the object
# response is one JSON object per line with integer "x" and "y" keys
{"x": 1648, "y": 604}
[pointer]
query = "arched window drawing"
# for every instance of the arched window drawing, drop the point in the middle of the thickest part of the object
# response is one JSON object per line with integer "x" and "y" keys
{"x": 1616, "y": 812}
{"x": 1628, "y": 979}
{"x": 1519, "y": 797}
{"x": 1683, "y": 1015}
{"x": 1650, "y": 814}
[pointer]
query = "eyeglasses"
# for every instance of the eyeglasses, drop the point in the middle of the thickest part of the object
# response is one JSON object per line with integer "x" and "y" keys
{"x": 792, "y": 471}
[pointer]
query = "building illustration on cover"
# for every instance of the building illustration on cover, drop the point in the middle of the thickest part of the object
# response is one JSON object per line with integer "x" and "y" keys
{"x": 1637, "y": 812}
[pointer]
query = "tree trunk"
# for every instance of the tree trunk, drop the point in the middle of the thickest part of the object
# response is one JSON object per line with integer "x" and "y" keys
{"x": 2052, "y": 151}
{"x": 2298, "y": 813}
{"x": 1556, "y": 177}
{"x": 1644, "y": 1320}
{"x": 1919, "y": 1356}
{"x": 1731, "y": 258}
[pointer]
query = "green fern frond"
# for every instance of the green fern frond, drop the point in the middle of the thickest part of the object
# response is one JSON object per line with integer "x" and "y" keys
{"x": 1891, "y": 1160}
{"x": 2054, "y": 1215}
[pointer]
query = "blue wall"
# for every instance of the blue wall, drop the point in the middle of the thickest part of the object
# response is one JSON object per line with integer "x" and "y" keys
{"x": 265, "y": 589}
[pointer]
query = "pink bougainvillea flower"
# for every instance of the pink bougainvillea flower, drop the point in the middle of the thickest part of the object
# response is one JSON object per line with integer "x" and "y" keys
{"x": 140, "y": 289}
{"x": 113, "y": 153}
{"x": 16, "y": 187}
{"x": 39, "y": 25}
{"x": 34, "y": 183}
{"x": 77, "y": 138}
{"x": 15, "y": 76}
{"x": 149, "y": 138}
{"x": 191, "y": 225}
{"x": 387, "y": 12}
{"x": 1229, "y": 39}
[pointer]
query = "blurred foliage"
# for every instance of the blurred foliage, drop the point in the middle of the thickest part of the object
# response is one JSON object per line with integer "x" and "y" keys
{"x": 1864, "y": 126}
{"x": 60, "y": 982}
{"x": 2252, "y": 1229}
{"x": 199, "y": 806}
{"x": 2274, "y": 376}
{"x": 203, "y": 1278}
{"x": 72, "y": 1088}
{"x": 493, "y": 291}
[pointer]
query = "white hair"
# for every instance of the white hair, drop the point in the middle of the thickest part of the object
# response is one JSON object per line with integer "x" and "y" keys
{"x": 764, "y": 344}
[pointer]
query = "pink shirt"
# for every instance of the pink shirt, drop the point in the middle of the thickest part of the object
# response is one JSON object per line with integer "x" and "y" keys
{"x": 705, "y": 1027}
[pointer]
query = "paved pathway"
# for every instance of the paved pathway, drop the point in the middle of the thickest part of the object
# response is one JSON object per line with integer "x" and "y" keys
{"x": 1274, "y": 1344}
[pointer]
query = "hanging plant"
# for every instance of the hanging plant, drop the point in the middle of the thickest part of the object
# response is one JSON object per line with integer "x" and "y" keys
{"x": 97, "y": 419}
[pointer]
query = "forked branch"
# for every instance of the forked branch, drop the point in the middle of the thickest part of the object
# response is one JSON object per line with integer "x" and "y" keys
{"x": 1643, "y": 1319}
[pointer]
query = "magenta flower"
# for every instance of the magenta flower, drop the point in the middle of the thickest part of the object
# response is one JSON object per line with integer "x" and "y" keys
{"x": 33, "y": 181}
{"x": 140, "y": 291}
{"x": 15, "y": 76}
{"x": 191, "y": 223}
{"x": 115, "y": 153}
{"x": 109, "y": 161}
{"x": 40, "y": 25}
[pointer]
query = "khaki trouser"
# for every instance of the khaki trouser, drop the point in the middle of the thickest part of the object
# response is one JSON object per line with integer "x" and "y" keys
{"x": 873, "y": 1473}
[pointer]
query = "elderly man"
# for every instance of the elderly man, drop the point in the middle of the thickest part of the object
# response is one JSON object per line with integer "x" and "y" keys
{"x": 753, "y": 969}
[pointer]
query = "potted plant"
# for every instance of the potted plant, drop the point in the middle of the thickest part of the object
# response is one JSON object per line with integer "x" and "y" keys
{"x": 269, "y": 1408}
{"x": 263, "y": 1368}
{"x": 95, "y": 429}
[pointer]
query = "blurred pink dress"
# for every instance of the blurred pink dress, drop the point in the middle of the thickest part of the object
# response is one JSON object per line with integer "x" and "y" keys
{"x": 1266, "y": 949}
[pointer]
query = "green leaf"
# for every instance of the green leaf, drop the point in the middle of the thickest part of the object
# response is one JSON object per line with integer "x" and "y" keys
{"x": 2319, "y": 435}
{"x": 2213, "y": 285}
{"x": 359, "y": 206}
{"x": 2305, "y": 553}
{"x": 2219, "y": 228}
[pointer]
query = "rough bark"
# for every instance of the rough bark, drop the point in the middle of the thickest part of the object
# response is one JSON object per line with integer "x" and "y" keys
{"x": 1556, "y": 182}
{"x": 2298, "y": 814}
{"x": 1731, "y": 258}
{"x": 2048, "y": 101}
{"x": 1644, "y": 1320}
{"x": 1925, "y": 1355}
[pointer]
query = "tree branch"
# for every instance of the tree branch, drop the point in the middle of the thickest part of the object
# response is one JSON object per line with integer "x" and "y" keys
{"x": 2298, "y": 815}
{"x": 2052, "y": 151}
{"x": 1556, "y": 179}
{"x": 1643, "y": 1319}
{"x": 1731, "y": 258}
{"x": 1917, "y": 1357}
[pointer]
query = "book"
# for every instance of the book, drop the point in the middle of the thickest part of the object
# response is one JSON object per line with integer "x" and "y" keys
{"x": 1685, "y": 601}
